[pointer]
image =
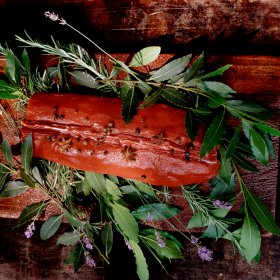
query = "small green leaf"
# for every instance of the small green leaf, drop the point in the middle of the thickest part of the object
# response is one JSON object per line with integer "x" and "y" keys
{"x": 6, "y": 148}
{"x": 13, "y": 67}
{"x": 83, "y": 78}
{"x": 3, "y": 178}
{"x": 222, "y": 189}
{"x": 243, "y": 163}
{"x": 261, "y": 212}
{"x": 250, "y": 239}
{"x": 175, "y": 97}
{"x": 69, "y": 238}
{"x": 107, "y": 238}
{"x": 73, "y": 221}
{"x": 113, "y": 178}
{"x": 113, "y": 189}
{"x": 171, "y": 69}
{"x": 76, "y": 257}
{"x": 213, "y": 88}
{"x": 217, "y": 72}
{"x": 86, "y": 187}
{"x": 96, "y": 181}
{"x": 144, "y": 188}
{"x": 125, "y": 221}
{"x": 26, "y": 64}
{"x": 151, "y": 99}
{"x": 14, "y": 188}
{"x": 29, "y": 181}
{"x": 219, "y": 212}
{"x": 50, "y": 227}
{"x": 269, "y": 145}
{"x": 268, "y": 129}
{"x": 214, "y": 231}
{"x": 155, "y": 212}
{"x": 30, "y": 212}
{"x": 8, "y": 91}
{"x": 37, "y": 175}
{"x": 225, "y": 171}
{"x": 191, "y": 125}
{"x": 197, "y": 220}
{"x": 26, "y": 152}
{"x": 129, "y": 102}
{"x": 194, "y": 69}
{"x": 141, "y": 264}
{"x": 145, "y": 56}
{"x": 213, "y": 135}
{"x": 233, "y": 143}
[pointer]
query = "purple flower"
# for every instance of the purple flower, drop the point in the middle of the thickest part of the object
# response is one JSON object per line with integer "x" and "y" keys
{"x": 149, "y": 217}
{"x": 87, "y": 242}
{"x": 222, "y": 204}
{"x": 30, "y": 230}
{"x": 89, "y": 260}
{"x": 54, "y": 17}
{"x": 128, "y": 245}
{"x": 205, "y": 254}
{"x": 194, "y": 240}
{"x": 160, "y": 241}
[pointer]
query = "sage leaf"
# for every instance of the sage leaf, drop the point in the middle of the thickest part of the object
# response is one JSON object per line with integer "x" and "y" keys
{"x": 197, "y": 220}
{"x": 213, "y": 135}
{"x": 96, "y": 181}
{"x": 30, "y": 212}
{"x": 259, "y": 147}
{"x": 26, "y": 64}
{"x": 268, "y": 129}
{"x": 14, "y": 188}
{"x": 175, "y": 97}
{"x": 125, "y": 221}
{"x": 141, "y": 264}
{"x": 76, "y": 257}
{"x": 217, "y": 72}
{"x": 129, "y": 102}
{"x": 26, "y": 152}
{"x": 145, "y": 56}
{"x": 250, "y": 239}
{"x": 83, "y": 78}
{"x": 171, "y": 69}
{"x": 6, "y": 149}
{"x": 69, "y": 238}
{"x": 155, "y": 212}
{"x": 50, "y": 227}
{"x": 233, "y": 143}
{"x": 191, "y": 124}
{"x": 107, "y": 238}
{"x": 261, "y": 211}
{"x": 194, "y": 69}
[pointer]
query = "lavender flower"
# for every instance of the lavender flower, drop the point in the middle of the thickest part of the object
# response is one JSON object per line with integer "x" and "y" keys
{"x": 222, "y": 204}
{"x": 194, "y": 240}
{"x": 205, "y": 254}
{"x": 160, "y": 241}
{"x": 149, "y": 217}
{"x": 30, "y": 230}
{"x": 54, "y": 17}
{"x": 89, "y": 260}
{"x": 87, "y": 242}
{"x": 128, "y": 245}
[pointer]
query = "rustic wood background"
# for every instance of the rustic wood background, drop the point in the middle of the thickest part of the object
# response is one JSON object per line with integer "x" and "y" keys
{"x": 245, "y": 33}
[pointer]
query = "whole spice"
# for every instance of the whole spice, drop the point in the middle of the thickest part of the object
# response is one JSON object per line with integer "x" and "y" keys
{"x": 142, "y": 156}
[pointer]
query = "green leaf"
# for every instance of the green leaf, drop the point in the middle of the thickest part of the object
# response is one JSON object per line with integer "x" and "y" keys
{"x": 129, "y": 102}
{"x": 213, "y": 135}
{"x": 29, "y": 181}
{"x": 259, "y": 147}
{"x": 30, "y": 212}
{"x": 144, "y": 188}
{"x": 217, "y": 72}
{"x": 233, "y": 143}
{"x": 155, "y": 212}
{"x": 151, "y": 99}
{"x": 86, "y": 187}
{"x": 213, "y": 231}
{"x": 197, "y": 220}
{"x": 107, "y": 238}
{"x": 69, "y": 238}
{"x": 175, "y": 97}
{"x": 113, "y": 189}
{"x": 3, "y": 178}
{"x": 12, "y": 68}
{"x": 96, "y": 181}
{"x": 26, "y": 64}
{"x": 125, "y": 221}
{"x": 261, "y": 211}
{"x": 269, "y": 145}
{"x": 212, "y": 87}
{"x": 141, "y": 264}
{"x": 14, "y": 188}
{"x": 268, "y": 129}
{"x": 76, "y": 257}
{"x": 73, "y": 221}
{"x": 37, "y": 175}
{"x": 113, "y": 178}
{"x": 8, "y": 91}
{"x": 191, "y": 125}
{"x": 50, "y": 227}
{"x": 250, "y": 239}
{"x": 6, "y": 148}
{"x": 222, "y": 189}
{"x": 194, "y": 69}
{"x": 225, "y": 171}
{"x": 26, "y": 152}
{"x": 219, "y": 212}
{"x": 83, "y": 78}
{"x": 171, "y": 69}
{"x": 145, "y": 56}
{"x": 243, "y": 163}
